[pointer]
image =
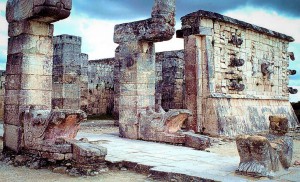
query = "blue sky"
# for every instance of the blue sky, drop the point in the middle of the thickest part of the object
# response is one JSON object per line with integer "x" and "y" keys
{"x": 94, "y": 21}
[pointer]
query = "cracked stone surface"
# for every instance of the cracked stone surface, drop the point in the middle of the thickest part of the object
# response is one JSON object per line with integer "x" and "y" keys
{"x": 176, "y": 161}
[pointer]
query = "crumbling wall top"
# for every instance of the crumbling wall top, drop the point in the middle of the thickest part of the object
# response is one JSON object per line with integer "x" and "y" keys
{"x": 190, "y": 24}
{"x": 109, "y": 61}
{"x": 70, "y": 39}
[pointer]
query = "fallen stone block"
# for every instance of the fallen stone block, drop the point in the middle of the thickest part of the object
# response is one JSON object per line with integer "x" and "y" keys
{"x": 86, "y": 155}
{"x": 196, "y": 141}
{"x": 265, "y": 155}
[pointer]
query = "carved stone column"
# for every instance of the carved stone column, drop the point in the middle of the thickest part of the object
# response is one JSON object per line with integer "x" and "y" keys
{"x": 136, "y": 56}
{"x": 29, "y": 64}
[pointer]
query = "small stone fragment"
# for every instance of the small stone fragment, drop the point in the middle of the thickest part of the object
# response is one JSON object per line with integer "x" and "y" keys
{"x": 61, "y": 170}
{"x": 297, "y": 163}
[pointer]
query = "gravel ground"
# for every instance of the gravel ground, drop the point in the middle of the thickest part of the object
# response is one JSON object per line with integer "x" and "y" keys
{"x": 9, "y": 173}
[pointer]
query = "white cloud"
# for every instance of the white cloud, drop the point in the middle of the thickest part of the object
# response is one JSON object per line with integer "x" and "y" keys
{"x": 2, "y": 6}
{"x": 97, "y": 35}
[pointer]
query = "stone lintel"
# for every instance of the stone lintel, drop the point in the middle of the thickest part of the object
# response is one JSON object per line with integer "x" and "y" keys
{"x": 152, "y": 30}
{"x": 195, "y": 18}
{"x": 44, "y": 11}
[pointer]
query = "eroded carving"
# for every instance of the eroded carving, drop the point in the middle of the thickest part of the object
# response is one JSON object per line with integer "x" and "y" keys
{"x": 158, "y": 125}
{"x": 235, "y": 85}
{"x": 263, "y": 155}
{"x": 292, "y": 90}
{"x": 292, "y": 72}
{"x": 267, "y": 69}
{"x": 235, "y": 62}
{"x": 235, "y": 40}
{"x": 50, "y": 125}
{"x": 291, "y": 55}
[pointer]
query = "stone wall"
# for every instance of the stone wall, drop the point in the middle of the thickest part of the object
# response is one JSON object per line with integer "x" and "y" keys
{"x": 170, "y": 86}
{"x": 69, "y": 73}
{"x": 236, "y": 74}
{"x": 84, "y": 80}
{"x": 100, "y": 86}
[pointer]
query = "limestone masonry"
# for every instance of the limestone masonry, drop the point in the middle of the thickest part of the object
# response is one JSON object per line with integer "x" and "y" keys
{"x": 30, "y": 124}
{"x": 236, "y": 74}
{"x": 231, "y": 80}
{"x": 100, "y": 86}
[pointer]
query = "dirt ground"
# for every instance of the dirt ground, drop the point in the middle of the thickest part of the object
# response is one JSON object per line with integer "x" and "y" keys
{"x": 23, "y": 174}
{"x": 9, "y": 173}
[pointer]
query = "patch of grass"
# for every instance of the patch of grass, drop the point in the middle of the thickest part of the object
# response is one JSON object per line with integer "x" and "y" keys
{"x": 100, "y": 117}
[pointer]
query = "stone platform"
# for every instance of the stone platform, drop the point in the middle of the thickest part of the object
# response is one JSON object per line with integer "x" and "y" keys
{"x": 173, "y": 162}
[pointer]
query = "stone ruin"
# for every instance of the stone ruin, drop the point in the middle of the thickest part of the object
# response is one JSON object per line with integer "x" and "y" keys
{"x": 229, "y": 80}
{"x": 139, "y": 116}
{"x": 70, "y": 77}
{"x": 236, "y": 75}
{"x": 264, "y": 155}
{"x": 30, "y": 125}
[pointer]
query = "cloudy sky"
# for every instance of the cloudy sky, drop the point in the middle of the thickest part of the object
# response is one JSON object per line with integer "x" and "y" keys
{"x": 94, "y": 21}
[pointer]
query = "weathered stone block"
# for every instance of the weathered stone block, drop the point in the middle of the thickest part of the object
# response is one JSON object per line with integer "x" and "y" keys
{"x": 11, "y": 116}
{"x": 13, "y": 82}
{"x": 13, "y": 137}
{"x": 21, "y": 63}
{"x": 278, "y": 125}
{"x": 67, "y": 39}
{"x": 11, "y": 97}
{"x": 36, "y": 82}
{"x": 34, "y": 97}
{"x": 263, "y": 155}
{"x": 30, "y": 44}
{"x": 199, "y": 142}
{"x": 30, "y": 27}
{"x": 45, "y": 11}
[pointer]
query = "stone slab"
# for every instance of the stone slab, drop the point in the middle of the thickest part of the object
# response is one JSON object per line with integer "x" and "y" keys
{"x": 177, "y": 162}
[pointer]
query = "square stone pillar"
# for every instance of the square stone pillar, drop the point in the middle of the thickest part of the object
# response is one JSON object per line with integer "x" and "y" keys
{"x": 137, "y": 84}
{"x": 29, "y": 75}
{"x": 67, "y": 72}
